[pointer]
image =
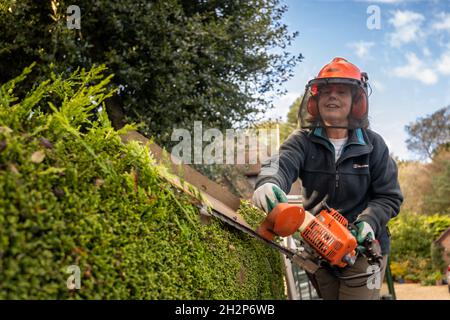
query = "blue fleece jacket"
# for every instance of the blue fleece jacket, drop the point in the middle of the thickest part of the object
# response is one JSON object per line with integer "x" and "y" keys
{"x": 362, "y": 185}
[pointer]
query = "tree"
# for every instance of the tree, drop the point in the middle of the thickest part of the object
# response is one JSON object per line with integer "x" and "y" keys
{"x": 437, "y": 198}
{"x": 285, "y": 127}
{"x": 415, "y": 182}
{"x": 174, "y": 61}
{"x": 428, "y": 133}
{"x": 292, "y": 116}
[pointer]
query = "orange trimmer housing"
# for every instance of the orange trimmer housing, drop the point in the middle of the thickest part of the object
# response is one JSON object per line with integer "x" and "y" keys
{"x": 284, "y": 220}
{"x": 327, "y": 233}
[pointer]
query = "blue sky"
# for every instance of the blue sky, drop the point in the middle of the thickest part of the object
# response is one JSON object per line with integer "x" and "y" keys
{"x": 407, "y": 58}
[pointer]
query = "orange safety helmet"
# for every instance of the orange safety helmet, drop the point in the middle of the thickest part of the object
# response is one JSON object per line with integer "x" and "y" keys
{"x": 339, "y": 70}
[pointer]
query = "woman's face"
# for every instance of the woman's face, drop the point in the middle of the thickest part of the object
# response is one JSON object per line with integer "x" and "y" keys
{"x": 335, "y": 101}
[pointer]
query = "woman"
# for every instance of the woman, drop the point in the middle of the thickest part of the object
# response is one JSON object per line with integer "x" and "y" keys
{"x": 339, "y": 160}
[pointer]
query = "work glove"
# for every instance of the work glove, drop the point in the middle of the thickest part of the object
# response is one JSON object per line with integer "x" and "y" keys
{"x": 363, "y": 231}
{"x": 267, "y": 196}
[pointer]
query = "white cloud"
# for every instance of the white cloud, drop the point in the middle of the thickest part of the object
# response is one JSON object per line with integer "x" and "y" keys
{"x": 362, "y": 48}
{"x": 407, "y": 26}
{"x": 416, "y": 69}
{"x": 443, "y": 64}
{"x": 443, "y": 23}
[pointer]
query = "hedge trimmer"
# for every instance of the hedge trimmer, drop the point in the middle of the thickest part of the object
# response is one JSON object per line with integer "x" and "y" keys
{"x": 326, "y": 238}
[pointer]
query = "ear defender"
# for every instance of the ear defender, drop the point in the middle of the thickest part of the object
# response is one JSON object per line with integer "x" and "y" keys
{"x": 312, "y": 106}
{"x": 359, "y": 109}
{"x": 313, "y": 110}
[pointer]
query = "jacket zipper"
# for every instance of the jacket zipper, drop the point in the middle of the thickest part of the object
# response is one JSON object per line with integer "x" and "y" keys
{"x": 337, "y": 179}
{"x": 337, "y": 172}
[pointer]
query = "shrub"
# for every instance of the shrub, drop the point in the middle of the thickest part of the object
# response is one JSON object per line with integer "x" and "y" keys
{"x": 431, "y": 278}
{"x": 72, "y": 194}
{"x": 413, "y": 246}
{"x": 399, "y": 269}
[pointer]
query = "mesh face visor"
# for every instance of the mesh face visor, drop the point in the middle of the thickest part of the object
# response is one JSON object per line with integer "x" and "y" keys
{"x": 308, "y": 113}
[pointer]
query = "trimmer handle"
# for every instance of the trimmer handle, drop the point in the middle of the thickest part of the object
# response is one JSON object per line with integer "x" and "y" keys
{"x": 372, "y": 251}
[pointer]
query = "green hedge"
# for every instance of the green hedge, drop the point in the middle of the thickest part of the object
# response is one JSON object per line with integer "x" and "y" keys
{"x": 72, "y": 194}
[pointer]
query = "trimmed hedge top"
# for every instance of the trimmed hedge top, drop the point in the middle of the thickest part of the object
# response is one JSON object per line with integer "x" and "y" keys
{"x": 71, "y": 193}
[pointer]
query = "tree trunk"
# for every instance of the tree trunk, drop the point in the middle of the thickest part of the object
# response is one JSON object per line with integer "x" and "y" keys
{"x": 115, "y": 111}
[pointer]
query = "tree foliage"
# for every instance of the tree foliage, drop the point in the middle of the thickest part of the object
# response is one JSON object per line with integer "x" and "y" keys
{"x": 415, "y": 182}
{"x": 174, "y": 61}
{"x": 426, "y": 186}
{"x": 285, "y": 127}
{"x": 437, "y": 198}
{"x": 428, "y": 133}
{"x": 292, "y": 116}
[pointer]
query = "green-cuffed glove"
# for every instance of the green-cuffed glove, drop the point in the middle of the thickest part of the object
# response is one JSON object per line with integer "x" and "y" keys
{"x": 267, "y": 196}
{"x": 363, "y": 231}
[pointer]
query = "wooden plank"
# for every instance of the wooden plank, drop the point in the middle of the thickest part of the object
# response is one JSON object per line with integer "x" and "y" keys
{"x": 222, "y": 208}
{"x": 207, "y": 199}
{"x": 250, "y": 170}
{"x": 187, "y": 173}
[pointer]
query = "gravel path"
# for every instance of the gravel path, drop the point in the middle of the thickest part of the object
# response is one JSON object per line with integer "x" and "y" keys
{"x": 414, "y": 291}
